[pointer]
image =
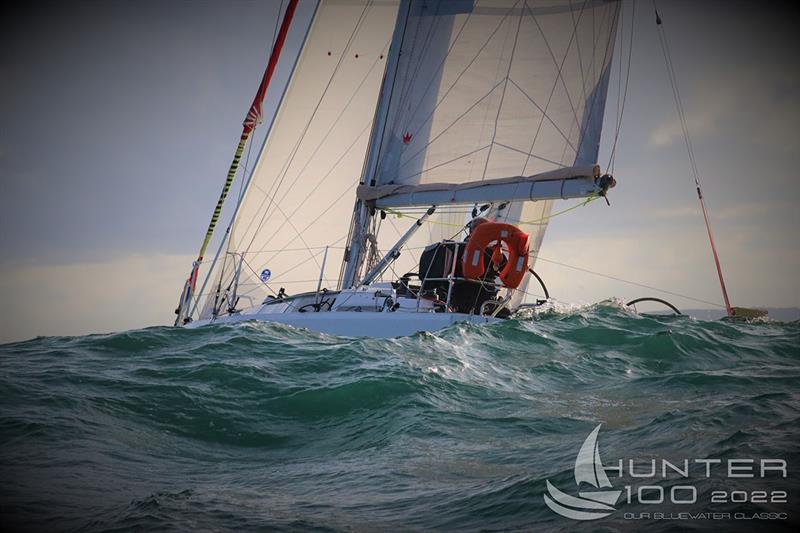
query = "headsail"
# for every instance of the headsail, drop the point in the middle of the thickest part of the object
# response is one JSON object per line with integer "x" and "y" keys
{"x": 481, "y": 90}
{"x": 254, "y": 115}
{"x": 494, "y": 89}
{"x": 300, "y": 194}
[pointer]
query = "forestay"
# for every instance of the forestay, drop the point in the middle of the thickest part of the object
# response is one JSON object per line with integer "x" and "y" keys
{"x": 300, "y": 195}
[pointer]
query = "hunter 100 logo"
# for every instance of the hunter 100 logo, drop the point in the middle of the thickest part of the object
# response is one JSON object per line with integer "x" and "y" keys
{"x": 602, "y": 499}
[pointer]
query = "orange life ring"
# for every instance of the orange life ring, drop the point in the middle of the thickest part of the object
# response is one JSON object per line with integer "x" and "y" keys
{"x": 488, "y": 233}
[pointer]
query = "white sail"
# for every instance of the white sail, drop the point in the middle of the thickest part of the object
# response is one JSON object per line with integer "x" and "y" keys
{"x": 491, "y": 89}
{"x": 483, "y": 90}
{"x": 300, "y": 196}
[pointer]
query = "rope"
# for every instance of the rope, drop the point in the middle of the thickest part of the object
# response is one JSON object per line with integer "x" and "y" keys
{"x": 284, "y": 171}
{"x": 557, "y": 213}
{"x": 400, "y": 214}
{"x": 621, "y": 109}
{"x": 560, "y": 67}
{"x": 502, "y": 98}
{"x": 429, "y": 116}
{"x": 586, "y": 270}
{"x": 690, "y": 150}
{"x": 346, "y": 106}
{"x": 676, "y": 94}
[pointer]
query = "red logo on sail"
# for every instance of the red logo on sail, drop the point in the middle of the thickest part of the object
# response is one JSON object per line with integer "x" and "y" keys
{"x": 406, "y": 138}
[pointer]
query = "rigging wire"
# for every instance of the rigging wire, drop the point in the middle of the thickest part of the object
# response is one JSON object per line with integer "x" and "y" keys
{"x": 292, "y": 268}
{"x": 621, "y": 108}
{"x": 277, "y": 184}
{"x": 296, "y": 148}
{"x": 619, "y": 88}
{"x": 321, "y": 214}
{"x": 400, "y": 234}
{"x": 244, "y": 174}
{"x": 328, "y": 133}
{"x": 319, "y": 184}
{"x": 250, "y": 124}
{"x": 463, "y": 71}
{"x": 277, "y": 23}
{"x": 559, "y": 76}
{"x": 229, "y": 231}
{"x": 690, "y": 150}
{"x": 502, "y": 98}
{"x": 621, "y": 280}
{"x": 507, "y": 79}
{"x": 536, "y": 222}
{"x": 578, "y": 46}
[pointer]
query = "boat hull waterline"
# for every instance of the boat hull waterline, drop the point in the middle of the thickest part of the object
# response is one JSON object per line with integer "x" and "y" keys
{"x": 355, "y": 323}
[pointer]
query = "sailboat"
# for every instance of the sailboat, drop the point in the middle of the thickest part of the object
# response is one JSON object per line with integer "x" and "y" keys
{"x": 403, "y": 125}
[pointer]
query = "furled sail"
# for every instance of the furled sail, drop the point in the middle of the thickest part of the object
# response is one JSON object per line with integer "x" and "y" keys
{"x": 299, "y": 196}
{"x": 493, "y": 89}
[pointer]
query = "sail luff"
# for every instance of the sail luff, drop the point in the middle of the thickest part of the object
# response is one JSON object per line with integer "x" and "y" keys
{"x": 354, "y": 249}
{"x": 230, "y": 227}
{"x": 252, "y": 118}
{"x": 314, "y": 152}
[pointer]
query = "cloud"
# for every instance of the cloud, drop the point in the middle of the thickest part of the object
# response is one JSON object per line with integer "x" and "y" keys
{"x": 757, "y": 271}
{"x": 730, "y": 213}
{"x": 675, "y": 212}
{"x": 667, "y": 132}
{"x": 759, "y": 103}
{"x": 75, "y": 299}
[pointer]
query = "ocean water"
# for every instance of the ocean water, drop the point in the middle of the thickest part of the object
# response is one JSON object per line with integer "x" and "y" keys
{"x": 265, "y": 427}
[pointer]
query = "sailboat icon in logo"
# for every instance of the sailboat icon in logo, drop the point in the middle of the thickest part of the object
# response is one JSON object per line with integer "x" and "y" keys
{"x": 592, "y": 504}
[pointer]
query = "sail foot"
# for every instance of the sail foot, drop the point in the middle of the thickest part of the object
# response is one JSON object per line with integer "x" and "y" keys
{"x": 564, "y": 183}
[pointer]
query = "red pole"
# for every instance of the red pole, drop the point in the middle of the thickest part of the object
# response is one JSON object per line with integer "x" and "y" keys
{"x": 251, "y": 120}
{"x": 714, "y": 252}
{"x": 254, "y": 114}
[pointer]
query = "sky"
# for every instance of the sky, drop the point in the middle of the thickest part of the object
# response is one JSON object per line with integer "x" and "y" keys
{"x": 118, "y": 121}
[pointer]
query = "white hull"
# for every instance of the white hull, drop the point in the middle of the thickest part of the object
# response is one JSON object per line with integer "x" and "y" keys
{"x": 356, "y": 324}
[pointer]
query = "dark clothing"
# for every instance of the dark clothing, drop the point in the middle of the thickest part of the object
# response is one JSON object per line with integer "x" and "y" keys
{"x": 467, "y": 296}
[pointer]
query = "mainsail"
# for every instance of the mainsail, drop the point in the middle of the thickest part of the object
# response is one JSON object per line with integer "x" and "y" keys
{"x": 490, "y": 90}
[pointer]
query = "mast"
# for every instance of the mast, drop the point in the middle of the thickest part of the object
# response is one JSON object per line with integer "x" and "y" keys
{"x": 354, "y": 251}
{"x": 253, "y": 117}
{"x": 394, "y": 253}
